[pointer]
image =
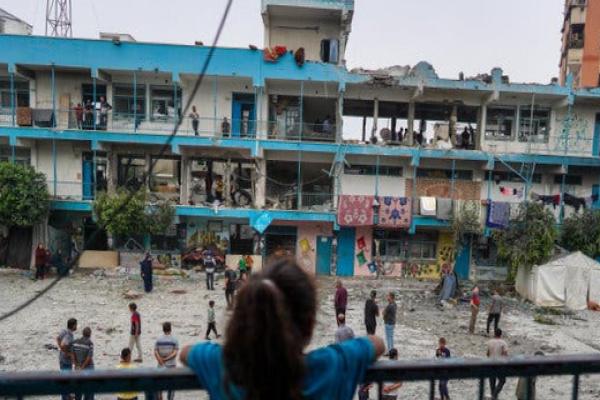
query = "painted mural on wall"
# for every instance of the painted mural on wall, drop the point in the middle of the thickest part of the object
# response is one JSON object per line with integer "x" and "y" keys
{"x": 417, "y": 269}
{"x": 306, "y": 244}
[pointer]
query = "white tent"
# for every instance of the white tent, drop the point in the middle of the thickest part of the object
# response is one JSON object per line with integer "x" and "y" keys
{"x": 570, "y": 280}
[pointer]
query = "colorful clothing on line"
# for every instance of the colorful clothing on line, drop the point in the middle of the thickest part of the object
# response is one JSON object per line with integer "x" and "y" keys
{"x": 395, "y": 212}
{"x": 498, "y": 215}
{"x": 355, "y": 210}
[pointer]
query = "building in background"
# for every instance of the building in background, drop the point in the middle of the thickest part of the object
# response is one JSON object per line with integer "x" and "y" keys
{"x": 11, "y": 25}
{"x": 580, "y": 53}
{"x": 266, "y": 168}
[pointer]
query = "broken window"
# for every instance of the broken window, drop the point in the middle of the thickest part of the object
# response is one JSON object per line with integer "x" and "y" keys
{"x": 165, "y": 179}
{"x": 127, "y": 101}
{"x": 499, "y": 123}
{"x": 397, "y": 246}
{"x": 503, "y": 176}
{"x": 573, "y": 180}
{"x": 21, "y": 94}
{"x": 534, "y": 127}
{"x": 459, "y": 174}
{"x": 383, "y": 170}
{"x": 163, "y": 103}
{"x": 131, "y": 172}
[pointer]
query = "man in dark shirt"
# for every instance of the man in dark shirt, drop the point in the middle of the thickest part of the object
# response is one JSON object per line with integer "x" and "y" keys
{"x": 136, "y": 331}
{"x": 389, "y": 319}
{"x": 83, "y": 356}
{"x": 230, "y": 282}
{"x": 443, "y": 352}
{"x": 371, "y": 313}
{"x": 341, "y": 300}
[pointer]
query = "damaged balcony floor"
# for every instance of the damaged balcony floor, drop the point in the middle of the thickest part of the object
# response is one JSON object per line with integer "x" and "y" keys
{"x": 98, "y": 302}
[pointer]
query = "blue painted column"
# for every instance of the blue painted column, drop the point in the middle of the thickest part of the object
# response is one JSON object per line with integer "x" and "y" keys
{"x": 53, "y": 89}
{"x": 135, "y": 103}
{"x": 215, "y": 105}
{"x": 175, "y": 106}
{"x": 299, "y": 175}
{"x": 12, "y": 98}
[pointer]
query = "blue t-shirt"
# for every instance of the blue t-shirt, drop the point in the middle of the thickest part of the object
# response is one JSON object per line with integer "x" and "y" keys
{"x": 333, "y": 372}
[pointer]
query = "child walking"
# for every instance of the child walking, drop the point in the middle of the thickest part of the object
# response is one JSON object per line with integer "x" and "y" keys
{"x": 443, "y": 352}
{"x": 212, "y": 324}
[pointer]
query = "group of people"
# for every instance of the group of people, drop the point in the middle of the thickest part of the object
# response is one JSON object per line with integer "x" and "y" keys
{"x": 92, "y": 115}
{"x": 45, "y": 260}
{"x": 78, "y": 354}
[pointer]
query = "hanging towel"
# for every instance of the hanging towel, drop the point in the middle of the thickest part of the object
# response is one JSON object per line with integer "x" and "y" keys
{"x": 444, "y": 209}
{"x": 498, "y": 215}
{"x": 471, "y": 206}
{"x": 575, "y": 202}
{"x": 395, "y": 212}
{"x": 355, "y": 210}
{"x": 428, "y": 206}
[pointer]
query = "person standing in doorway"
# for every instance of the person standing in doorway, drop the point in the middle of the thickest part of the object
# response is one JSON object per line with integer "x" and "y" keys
{"x": 389, "y": 319}
{"x": 443, "y": 352}
{"x": 497, "y": 348}
{"x": 230, "y": 284}
{"x": 340, "y": 301}
{"x": 165, "y": 352}
{"x": 195, "y": 117}
{"x": 146, "y": 271}
{"x": 83, "y": 357}
{"x": 343, "y": 331}
{"x": 495, "y": 311}
{"x": 212, "y": 321}
{"x": 475, "y": 303}
{"x": 371, "y": 313}
{"x": 135, "y": 331}
{"x": 65, "y": 340}
{"x": 210, "y": 266}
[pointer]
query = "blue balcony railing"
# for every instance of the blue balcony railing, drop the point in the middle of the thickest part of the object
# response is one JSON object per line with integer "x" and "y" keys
{"x": 151, "y": 381}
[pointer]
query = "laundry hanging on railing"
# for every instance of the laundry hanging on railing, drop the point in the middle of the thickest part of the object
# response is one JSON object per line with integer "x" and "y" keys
{"x": 272, "y": 54}
{"x": 395, "y": 212}
{"x": 428, "y": 206}
{"x": 508, "y": 191}
{"x": 444, "y": 209}
{"x": 553, "y": 200}
{"x": 574, "y": 201}
{"x": 471, "y": 207}
{"x": 498, "y": 215}
{"x": 355, "y": 210}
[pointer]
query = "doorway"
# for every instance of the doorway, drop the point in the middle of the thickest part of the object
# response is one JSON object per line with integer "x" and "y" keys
{"x": 243, "y": 115}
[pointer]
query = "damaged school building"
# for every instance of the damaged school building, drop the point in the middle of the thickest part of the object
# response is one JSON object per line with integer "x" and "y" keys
{"x": 288, "y": 152}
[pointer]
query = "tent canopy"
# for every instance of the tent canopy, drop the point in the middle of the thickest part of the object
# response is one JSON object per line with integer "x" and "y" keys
{"x": 569, "y": 280}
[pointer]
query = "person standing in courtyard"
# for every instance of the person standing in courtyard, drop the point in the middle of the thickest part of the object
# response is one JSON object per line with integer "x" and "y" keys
{"x": 165, "y": 352}
{"x": 210, "y": 266}
{"x": 212, "y": 321}
{"x": 343, "y": 331}
{"x": 83, "y": 357}
{"x": 135, "y": 331}
{"x": 522, "y": 383}
{"x": 497, "y": 348}
{"x": 495, "y": 311}
{"x": 475, "y": 303}
{"x": 41, "y": 259}
{"x": 371, "y": 313}
{"x": 125, "y": 363}
{"x": 340, "y": 301}
{"x": 264, "y": 355}
{"x": 64, "y": 341}
{"x": 389, "y": 319}
{"x": 230, "y": 284}
{"x": 443, "y": 352}
{"x": 146, "y": 271}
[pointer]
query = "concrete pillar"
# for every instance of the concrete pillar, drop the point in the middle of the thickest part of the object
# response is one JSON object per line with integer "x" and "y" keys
{"x": 482, "y": 126}
{"x": 148, "y": 102}
{"x": 339, "y": 118}
{"x": 411, "y": 124}
{"x": 375, "y": 118}
{"x": 148, "y": 170}
{"x": 260, "y": 183}
{"x": 186, "y": 180}
{"x": 112, "y": 173}
{"x": 452, "y": 124}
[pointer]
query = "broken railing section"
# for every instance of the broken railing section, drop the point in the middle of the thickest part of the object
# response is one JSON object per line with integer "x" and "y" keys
{"x": 150, "y": 381}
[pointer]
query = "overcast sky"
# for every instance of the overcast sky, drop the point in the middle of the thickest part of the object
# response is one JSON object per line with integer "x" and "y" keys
{"x": 521, "y": 36}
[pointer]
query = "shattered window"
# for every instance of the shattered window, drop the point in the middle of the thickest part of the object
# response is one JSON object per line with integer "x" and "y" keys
{"x": 499, "y": 123}
{"x": 534, "y": 127}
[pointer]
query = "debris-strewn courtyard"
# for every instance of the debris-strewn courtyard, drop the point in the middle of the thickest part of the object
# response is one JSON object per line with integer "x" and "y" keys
{"x": 96, "y": 300}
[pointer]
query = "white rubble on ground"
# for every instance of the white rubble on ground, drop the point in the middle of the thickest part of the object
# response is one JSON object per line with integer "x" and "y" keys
{"x": 97, "y": 300}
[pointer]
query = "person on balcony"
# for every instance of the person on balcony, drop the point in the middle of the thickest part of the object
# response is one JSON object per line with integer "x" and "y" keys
{"x": 263, "y": 355}
{"x": 105, "y": 107}
{"x": 327, "y": 125}
{"x": 225, "y": 127}
{"x": 195, "y": 117}
{"x": 78, "y": 109}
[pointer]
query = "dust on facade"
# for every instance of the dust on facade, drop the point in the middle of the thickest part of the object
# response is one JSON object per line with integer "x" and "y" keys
{"x": 286, "y": 152}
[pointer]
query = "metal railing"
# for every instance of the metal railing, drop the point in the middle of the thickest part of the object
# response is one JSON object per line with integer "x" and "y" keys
{"x": 150, "y": 381}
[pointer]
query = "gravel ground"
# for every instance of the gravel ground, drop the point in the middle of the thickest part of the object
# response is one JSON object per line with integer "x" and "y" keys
{"x": 97, "y": 300}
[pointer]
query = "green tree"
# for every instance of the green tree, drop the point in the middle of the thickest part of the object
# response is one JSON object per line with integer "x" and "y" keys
{"x": 581, "y": 232}
{"x": 160, "y": 217}
{"x": 529, "y": 240}
{"x": 24, "y": 197}
{"x": 122, "y": 213}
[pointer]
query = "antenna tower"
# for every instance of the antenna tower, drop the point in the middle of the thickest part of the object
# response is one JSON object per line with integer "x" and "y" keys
{"x": 59, "y": 18}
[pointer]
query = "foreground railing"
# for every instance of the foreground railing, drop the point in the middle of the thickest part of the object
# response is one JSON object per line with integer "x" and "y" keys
{"x": 150, "y": 381}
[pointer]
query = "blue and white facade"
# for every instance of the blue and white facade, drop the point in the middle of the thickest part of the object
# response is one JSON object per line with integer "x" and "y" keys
{"x": 288, "y": 139}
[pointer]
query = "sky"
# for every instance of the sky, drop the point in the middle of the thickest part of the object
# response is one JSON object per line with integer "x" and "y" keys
{"x": 470, "y": 36}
